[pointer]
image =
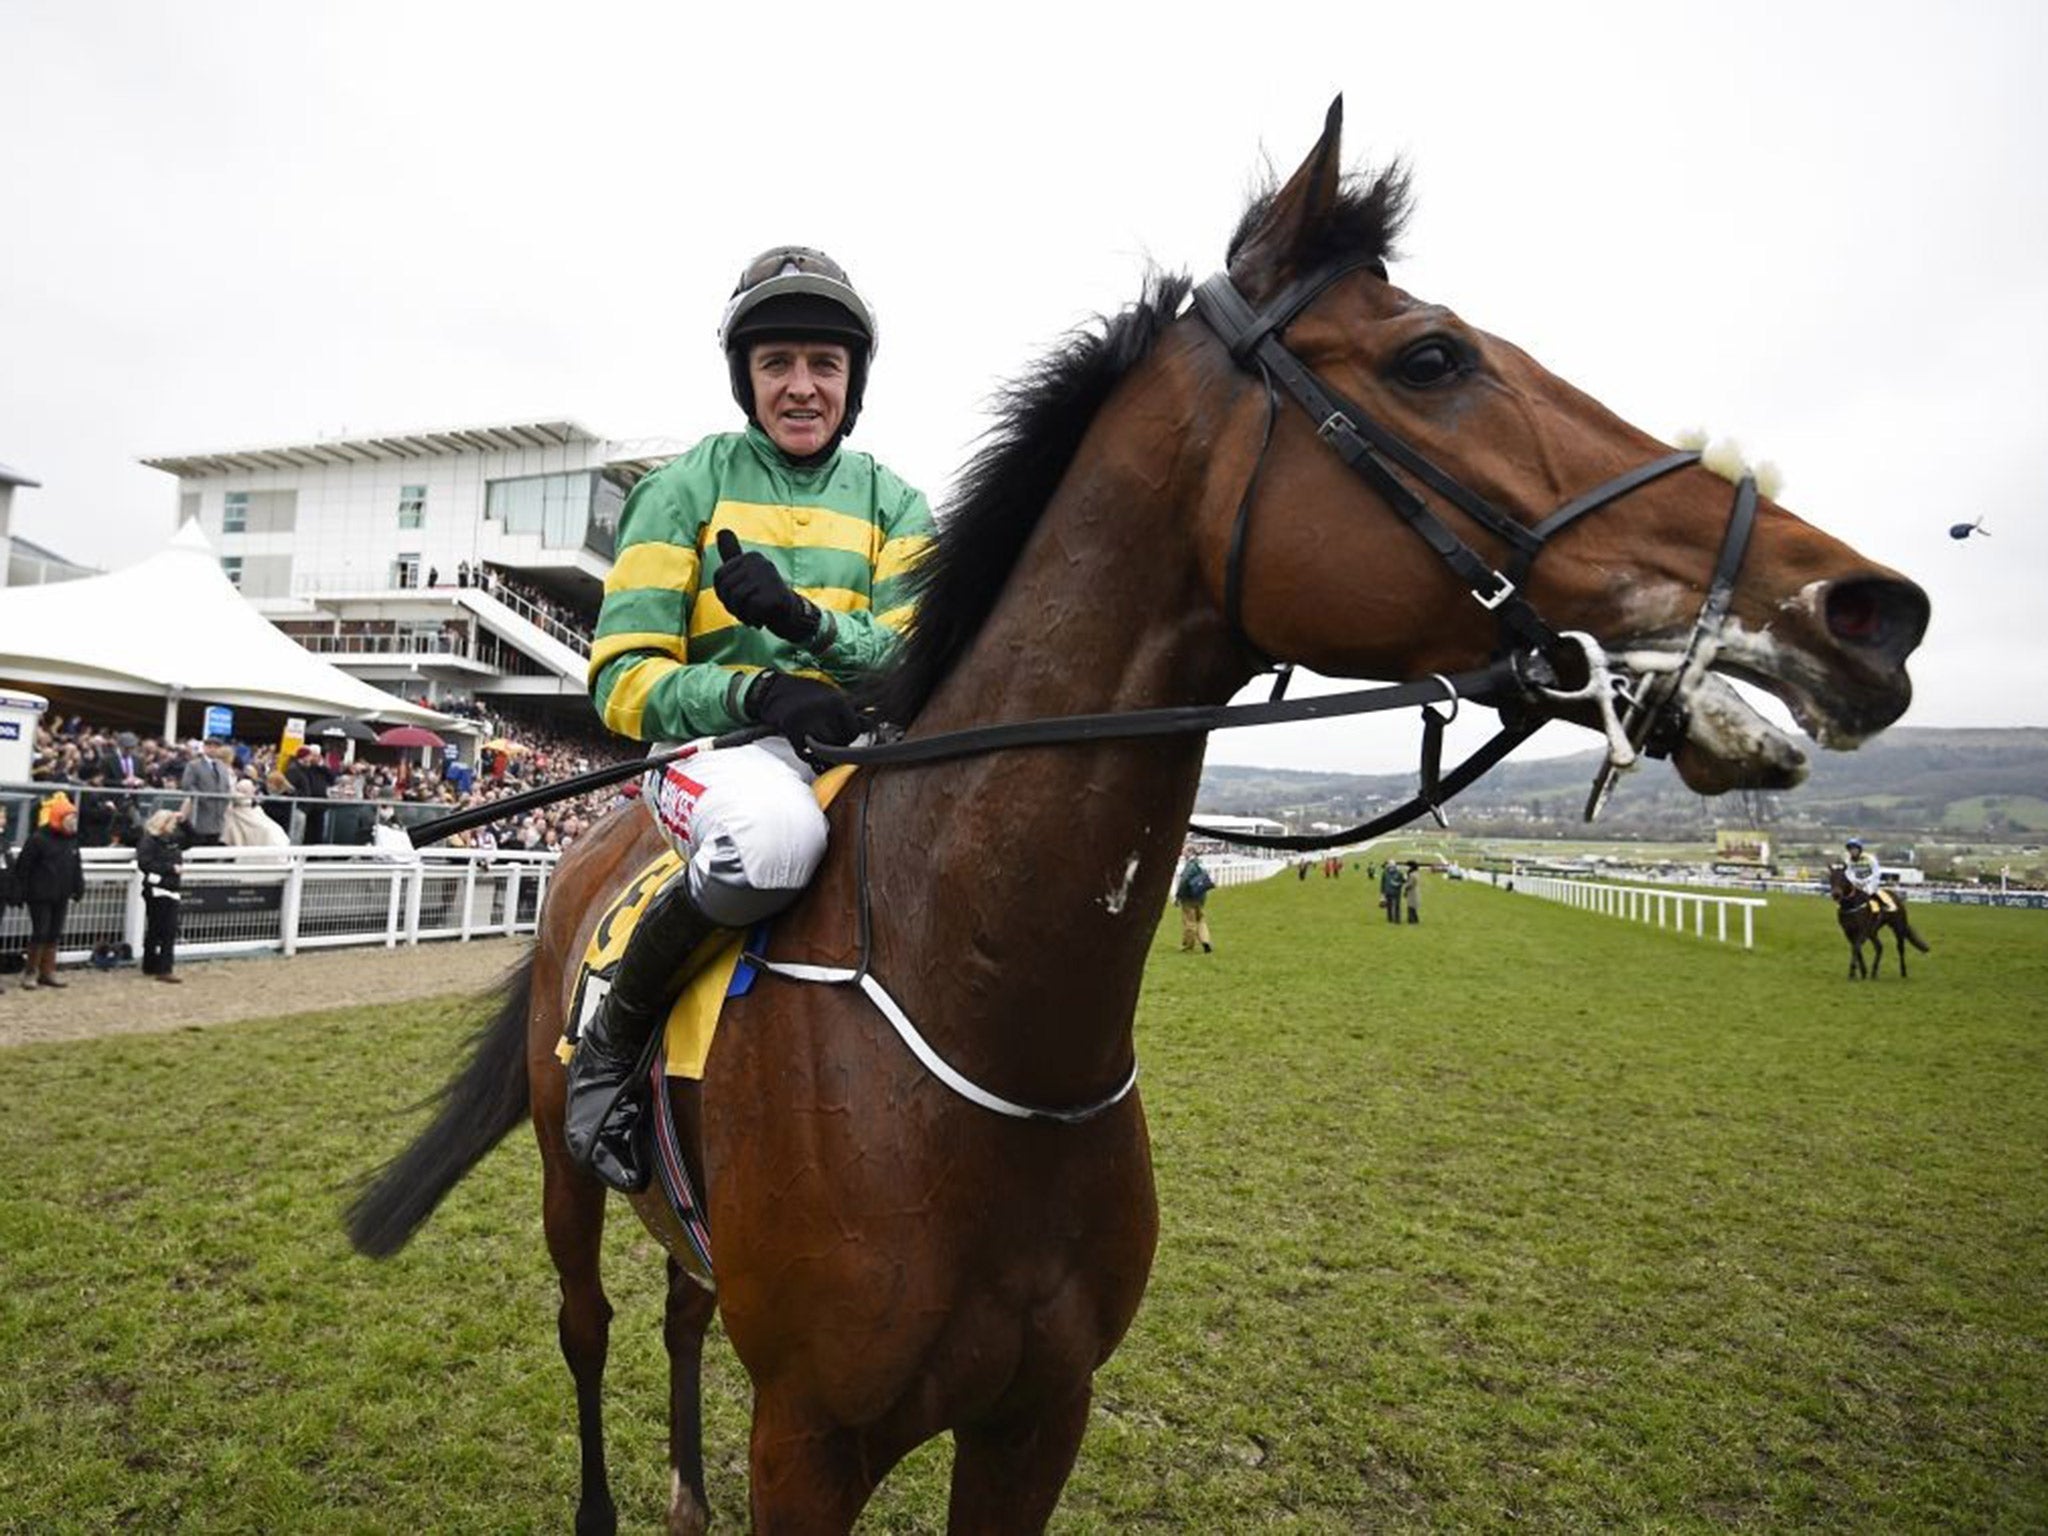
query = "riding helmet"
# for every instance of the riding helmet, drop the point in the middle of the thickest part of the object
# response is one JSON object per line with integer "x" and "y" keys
{"x": 1854, "y": 842}
{"x": 793, "y": 291}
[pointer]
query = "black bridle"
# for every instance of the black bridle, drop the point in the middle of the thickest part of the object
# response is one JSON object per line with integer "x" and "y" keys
{"x": 1253, "y": 338}
{"x": 1523, "y": 681}
{"x": 1636, "y": 713}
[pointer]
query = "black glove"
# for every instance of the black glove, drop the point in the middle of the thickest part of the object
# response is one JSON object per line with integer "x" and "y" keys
{"x": 802, "y": 710}
{"x": 754, "y": 592}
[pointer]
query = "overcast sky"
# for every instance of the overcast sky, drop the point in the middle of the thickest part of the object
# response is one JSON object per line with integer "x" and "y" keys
{"x": 1819, "y": 228}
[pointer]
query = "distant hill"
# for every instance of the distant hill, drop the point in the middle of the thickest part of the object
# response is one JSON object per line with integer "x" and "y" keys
{"x": 1987, "y": 782}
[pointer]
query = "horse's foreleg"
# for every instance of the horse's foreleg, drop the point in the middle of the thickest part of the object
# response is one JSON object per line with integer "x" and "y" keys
{"x": 572, "y": 1209}
{"x": 686, "y": 1317}
{"x": 1008, "y": 1476}
{"x": 805, "y": 1478}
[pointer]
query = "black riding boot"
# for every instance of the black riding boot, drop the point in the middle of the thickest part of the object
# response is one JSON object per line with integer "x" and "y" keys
{"x": 605, "y": 1121}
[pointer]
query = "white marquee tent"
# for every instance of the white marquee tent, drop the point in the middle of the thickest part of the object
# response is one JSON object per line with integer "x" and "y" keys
{"x": 174, "y": 627}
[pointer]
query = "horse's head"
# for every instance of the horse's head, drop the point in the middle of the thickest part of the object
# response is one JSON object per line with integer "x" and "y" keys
{"x": 1316, "y": 566}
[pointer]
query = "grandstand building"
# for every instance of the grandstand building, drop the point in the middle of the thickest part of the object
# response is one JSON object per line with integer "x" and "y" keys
{"x": 446, "y": 566}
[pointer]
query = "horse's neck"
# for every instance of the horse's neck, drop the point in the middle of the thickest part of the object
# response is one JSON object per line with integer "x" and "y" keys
{"x": 1053, "y": 864}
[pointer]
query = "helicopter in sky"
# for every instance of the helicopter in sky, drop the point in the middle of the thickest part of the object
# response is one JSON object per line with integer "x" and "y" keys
{"x": 1964, "y": 530}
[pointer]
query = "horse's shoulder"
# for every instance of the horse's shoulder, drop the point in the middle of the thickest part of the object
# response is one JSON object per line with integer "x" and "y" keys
{"x": 822, "y": 926}
{"x": 605, "y": 856}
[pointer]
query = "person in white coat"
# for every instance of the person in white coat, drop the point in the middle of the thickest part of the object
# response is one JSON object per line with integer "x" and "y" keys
{"x": 247, "y": 826}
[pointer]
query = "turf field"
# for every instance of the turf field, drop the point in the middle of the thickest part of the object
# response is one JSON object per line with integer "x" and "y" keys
{"x": 1523, "y": 1217}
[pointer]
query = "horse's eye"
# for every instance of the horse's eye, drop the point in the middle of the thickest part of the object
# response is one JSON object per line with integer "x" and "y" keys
{"x": 1429, "y": 362}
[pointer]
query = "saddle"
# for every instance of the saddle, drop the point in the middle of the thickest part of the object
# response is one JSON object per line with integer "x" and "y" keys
{"x": 673, "y": 1206}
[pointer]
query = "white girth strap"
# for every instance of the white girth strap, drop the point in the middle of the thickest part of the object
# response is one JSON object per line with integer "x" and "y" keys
{"x": 933, "y": 1062}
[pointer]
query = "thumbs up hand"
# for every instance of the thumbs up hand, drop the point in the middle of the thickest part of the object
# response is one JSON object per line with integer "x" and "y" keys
{"x": 754, "y": 592}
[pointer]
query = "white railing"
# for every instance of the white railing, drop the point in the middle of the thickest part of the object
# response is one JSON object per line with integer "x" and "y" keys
{"x": 1641, "y": 903}
{"x": 1241, "y": 871}
{"x": 250, "y": 900}
{"x": 547, "y": 623}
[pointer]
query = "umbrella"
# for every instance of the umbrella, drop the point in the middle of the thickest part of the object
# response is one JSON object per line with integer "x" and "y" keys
{"x": 338, "y": 728}
{"x": 500, "y": 744}
{"x": 409, "y": 736}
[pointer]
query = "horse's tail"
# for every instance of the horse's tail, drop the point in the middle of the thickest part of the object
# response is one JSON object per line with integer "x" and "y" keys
{"x": 483, "y": 1101}
{"x": 1911, "y": 937}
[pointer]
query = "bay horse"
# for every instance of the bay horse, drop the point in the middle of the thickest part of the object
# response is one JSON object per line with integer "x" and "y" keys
{"x": 1149, "y": 525}
{"x": 1862, "y": 926}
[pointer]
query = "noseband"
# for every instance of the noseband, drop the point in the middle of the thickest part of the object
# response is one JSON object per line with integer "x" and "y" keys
{"x": 1636, "y": 713}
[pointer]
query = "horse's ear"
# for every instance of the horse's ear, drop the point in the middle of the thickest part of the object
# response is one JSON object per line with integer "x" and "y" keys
{"x": 1267, "y": 256}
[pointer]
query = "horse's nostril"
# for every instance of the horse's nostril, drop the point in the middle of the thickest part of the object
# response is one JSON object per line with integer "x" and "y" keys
{"x": 1852, "y": 615}
{"x": 1878, "y": 614}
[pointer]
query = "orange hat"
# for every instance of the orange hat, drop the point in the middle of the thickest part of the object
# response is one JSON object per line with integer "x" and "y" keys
{"x": 56, "y": 808}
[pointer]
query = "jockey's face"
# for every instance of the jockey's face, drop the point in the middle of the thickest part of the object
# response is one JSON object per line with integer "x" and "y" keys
{"x": 799, "y": 392}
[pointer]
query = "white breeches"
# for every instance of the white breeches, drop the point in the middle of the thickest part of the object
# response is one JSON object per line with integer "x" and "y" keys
{"x": 745, "y": 821}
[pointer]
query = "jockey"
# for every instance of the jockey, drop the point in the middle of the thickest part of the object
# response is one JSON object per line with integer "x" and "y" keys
{"x": 757, "y": 576}
{"x": 1862, "y": 870}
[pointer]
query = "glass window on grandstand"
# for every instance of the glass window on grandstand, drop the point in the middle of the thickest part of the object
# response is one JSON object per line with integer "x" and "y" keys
{"x": 412, "y": 506}
{"x": 231, "y": 565}
{"x": 405, "y": 571}
{"x": 559, "y": 508}
{"x": 234, "y": 512}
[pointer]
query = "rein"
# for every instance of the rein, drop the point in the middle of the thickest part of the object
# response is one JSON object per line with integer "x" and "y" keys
{"x": 1507, "y": 683}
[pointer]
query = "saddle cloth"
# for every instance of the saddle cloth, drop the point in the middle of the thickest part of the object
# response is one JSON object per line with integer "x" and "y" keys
{"x": 673, "y": 1207}
{"x": 715, "y": 973}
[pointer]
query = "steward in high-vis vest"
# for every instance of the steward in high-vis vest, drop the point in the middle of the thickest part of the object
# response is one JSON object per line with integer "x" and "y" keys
{"x": 756, "y": 576}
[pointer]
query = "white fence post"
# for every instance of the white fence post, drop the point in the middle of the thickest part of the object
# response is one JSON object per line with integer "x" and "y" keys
{"x": 394, "y": 906}
{"x": 415, "y": 889}
{"x": 289, "y": 904}
{"x": 132, "y": 917}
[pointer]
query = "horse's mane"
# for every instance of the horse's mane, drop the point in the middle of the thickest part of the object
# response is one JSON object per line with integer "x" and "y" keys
{"x": 1041, "y": 418}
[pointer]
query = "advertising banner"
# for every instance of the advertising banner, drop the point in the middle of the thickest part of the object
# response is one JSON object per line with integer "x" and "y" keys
{"x": 1741, "y": 845}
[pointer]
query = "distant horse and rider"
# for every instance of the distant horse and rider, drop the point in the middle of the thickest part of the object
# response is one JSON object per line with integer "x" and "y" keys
{"x": 910, "y": 1242}
{"x": 1867, "y": 913}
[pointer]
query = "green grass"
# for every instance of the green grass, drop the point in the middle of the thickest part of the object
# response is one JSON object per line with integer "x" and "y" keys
{"x": 2020, "y": 813}
{"x": 1524, "y": 1217}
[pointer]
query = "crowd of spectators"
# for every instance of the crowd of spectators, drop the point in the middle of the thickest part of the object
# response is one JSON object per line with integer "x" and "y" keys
{"x": 565, "y": 623}
{"x": 117, "y": 778}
